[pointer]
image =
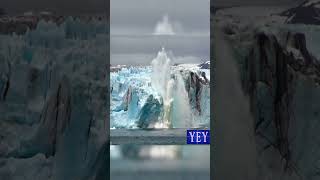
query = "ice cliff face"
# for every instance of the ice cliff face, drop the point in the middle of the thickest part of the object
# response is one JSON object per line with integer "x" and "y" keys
{"x": 136, "y": 103}
{"x": 52, "y": 102}
{"x": 280, "y": 76}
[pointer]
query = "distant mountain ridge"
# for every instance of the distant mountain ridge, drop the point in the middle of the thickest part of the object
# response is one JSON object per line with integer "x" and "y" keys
{"x": 308, "y": 12}
{"x": 205, "y": 65}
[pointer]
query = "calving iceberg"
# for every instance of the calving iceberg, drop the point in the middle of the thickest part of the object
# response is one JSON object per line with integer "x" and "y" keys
{"x": 160, "y": 95}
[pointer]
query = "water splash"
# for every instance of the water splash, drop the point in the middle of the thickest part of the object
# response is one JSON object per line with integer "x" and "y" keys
{"x": 181, "y": 110}
{"x": 171, "y": 88}
{"x": 161, "y": 72}
{"x": 162, "y": 84}
{"x": 164, "y": 27}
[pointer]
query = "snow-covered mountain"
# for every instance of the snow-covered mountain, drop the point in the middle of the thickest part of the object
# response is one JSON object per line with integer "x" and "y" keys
{"x": 308, "y": 12}
{"x": 205, "y": 65}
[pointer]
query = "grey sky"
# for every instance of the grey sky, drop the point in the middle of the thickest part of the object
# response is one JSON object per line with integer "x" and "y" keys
{"x": 130, "y": 15}
{"x": 69, "y": 7}
{"x": 83, "y": 6}
{"x": 134, "y": 23}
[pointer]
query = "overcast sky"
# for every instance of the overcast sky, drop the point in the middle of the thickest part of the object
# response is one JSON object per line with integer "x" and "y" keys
{"x": 69, "y": 7}
{"x": 139, "y": 28}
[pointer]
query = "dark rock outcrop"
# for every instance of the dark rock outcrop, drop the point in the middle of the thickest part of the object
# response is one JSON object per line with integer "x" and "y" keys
{"x": 194, "y": 86}
{"x": 205, "y": 65}
{"x": 308, "y": 12}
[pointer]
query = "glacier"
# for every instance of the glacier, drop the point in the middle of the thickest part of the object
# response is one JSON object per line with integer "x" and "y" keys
{"x": 274, "y": 67}
{"x": 160, "y": 95}
{"x": 53, "y": 99}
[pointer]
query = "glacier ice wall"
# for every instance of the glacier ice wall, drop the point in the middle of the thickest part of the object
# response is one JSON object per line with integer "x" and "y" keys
{"x": 280, "y": 74}
{"x": 160, "y": 95}
{"x": 53, "y": 96}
